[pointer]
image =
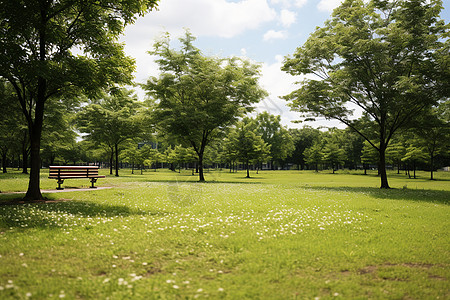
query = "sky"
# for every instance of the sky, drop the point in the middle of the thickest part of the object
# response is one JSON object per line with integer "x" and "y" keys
{"x": 263, "y": 31}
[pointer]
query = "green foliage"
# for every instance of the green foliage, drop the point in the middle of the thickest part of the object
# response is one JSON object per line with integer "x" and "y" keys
{"x": 287, "y": 235}
{"x": 387, "y": 58}
{"x": 313, "y": 155}
{"x": 111, "y": 120}
{"x": 245, "y": 144}
{"x": 199, "y": 96}
{"x": 278, "y": 137}
{"x": 38, "y": 42}
{"x": 303, "y": 138}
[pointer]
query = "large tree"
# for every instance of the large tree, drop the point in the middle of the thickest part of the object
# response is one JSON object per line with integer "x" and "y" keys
{"x": 198, "y": 96}
{"x": 111, "y": 120}
{"x": 389, "y": 59}
{"x": 49, "y": 48}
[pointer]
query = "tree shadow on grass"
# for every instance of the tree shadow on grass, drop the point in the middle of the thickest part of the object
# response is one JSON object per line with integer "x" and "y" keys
{"x": 53, "y": 212}
{"x": 433, "y": 196}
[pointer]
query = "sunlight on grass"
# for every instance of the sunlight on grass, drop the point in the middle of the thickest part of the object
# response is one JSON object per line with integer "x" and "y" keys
{"x": 295, "y": 237}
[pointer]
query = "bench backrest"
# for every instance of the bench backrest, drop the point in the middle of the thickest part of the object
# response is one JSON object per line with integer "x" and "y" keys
{"x": 73, "y": 171}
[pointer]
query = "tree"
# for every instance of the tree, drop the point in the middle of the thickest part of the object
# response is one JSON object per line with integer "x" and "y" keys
{"x": 433, "y": 133}
{"x": 387, "y": 58}
{"x": 369, "y": 155}
{"x": 303, "y": 138}
{"x": 396, "y": 151}
{"x": 10, "y": 123}
{"x": 332, "y": 152}
{"x": 249, "y": 146}
{"x": 413, "y": 155}
{"x": 54, "y": 48}
{"x": 280, "y": 141}
{"x": 111, "y": 120}
{"x": 313, "y": 155}
{"x": 199, "y": 96}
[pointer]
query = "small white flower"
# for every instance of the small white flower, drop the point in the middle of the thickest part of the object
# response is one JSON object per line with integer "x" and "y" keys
{"x": 199, "y": 290}
{"x": 175, "y": 286}
{"x": 220, "y": 289}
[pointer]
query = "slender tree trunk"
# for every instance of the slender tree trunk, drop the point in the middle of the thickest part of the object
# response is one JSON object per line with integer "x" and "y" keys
{"x": 25, "y": 153}
{"x": 201, "y": 176}
{"x": 111, "y": 158}
{"x": 248, "y": 169}
{"x": 431, "y": 166}
{"x": 382, "y": 166}
{"x": 116, "y": 150}
{"x": 414, "y": 168}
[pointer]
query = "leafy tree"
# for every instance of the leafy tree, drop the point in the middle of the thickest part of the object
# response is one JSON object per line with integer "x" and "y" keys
{"x": 278, "y": 137}
{"x": 332, "y": 152}
{"x": 58, "y": 136}
{"x": 369, "y": 155}
{"x": 199, "y": 96}
{"x": 413, "y": 155}
{"x": 303, "y": 138}
{"x": 132, "y": 155}
{"x": 249, "y": 146}
{"x": 396, "y": 151}
{"x": 313, "y": 155}
{"x": 38, "y": 39}
{"x": 388, "y": 58}
{"x": 111, "y": 120}
{"x": 433, "y": 133}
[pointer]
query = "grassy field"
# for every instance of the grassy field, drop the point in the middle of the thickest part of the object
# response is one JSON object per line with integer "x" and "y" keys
{"x": 278, "y": 235}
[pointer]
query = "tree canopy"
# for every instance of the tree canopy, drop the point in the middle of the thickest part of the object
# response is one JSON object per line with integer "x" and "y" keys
{"x": 54, "y": 48}
{"x": 199, "y": 96}
{"x": 389, "y": 59}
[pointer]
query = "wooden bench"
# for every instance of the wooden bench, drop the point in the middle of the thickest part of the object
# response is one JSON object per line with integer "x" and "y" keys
{"x": 65, "y": 172}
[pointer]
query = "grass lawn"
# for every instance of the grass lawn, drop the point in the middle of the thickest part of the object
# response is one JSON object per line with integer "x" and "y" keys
{"x": 278, "y": 235}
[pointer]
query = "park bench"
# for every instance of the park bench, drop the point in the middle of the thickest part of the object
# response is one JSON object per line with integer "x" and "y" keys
{"x": 65, "y": 172}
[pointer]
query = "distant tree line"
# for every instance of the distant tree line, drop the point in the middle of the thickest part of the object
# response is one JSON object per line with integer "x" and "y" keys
{"x": 390, "y": 59}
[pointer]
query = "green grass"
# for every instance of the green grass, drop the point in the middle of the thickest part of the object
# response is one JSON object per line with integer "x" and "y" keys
{"x": 278, "y": 235}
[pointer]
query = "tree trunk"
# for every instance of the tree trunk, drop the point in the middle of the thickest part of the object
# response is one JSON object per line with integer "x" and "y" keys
{"x": 116, "y": 150}
{"x": 382, "y": 166}
{"x": 201, "y": 177}
{"x": 25, "y": 153}
{"x": 34, "y": 190}
{"x": 431, "y": 166}
{"x": 414, "y": 166}
{"x": 248, "y": 169}
{"x": 111, "y": 158}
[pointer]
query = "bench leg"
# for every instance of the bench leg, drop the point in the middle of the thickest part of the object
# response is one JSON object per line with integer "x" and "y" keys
{"x": 60, "y": 181}
{"x": 93, "y": 180}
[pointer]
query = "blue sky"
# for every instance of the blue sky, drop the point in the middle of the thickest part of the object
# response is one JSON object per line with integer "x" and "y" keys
{"x": 264, "y": 31}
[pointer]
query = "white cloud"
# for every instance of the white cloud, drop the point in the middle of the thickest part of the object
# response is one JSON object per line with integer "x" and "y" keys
{"x": 277, "y": 83}
{"x": 289, "y": 3}
{"x": 288, "y": 17}
{"x": 328, "y": 5}
{"x": 272, "y": 34}
{"x": 205, "y": 17}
